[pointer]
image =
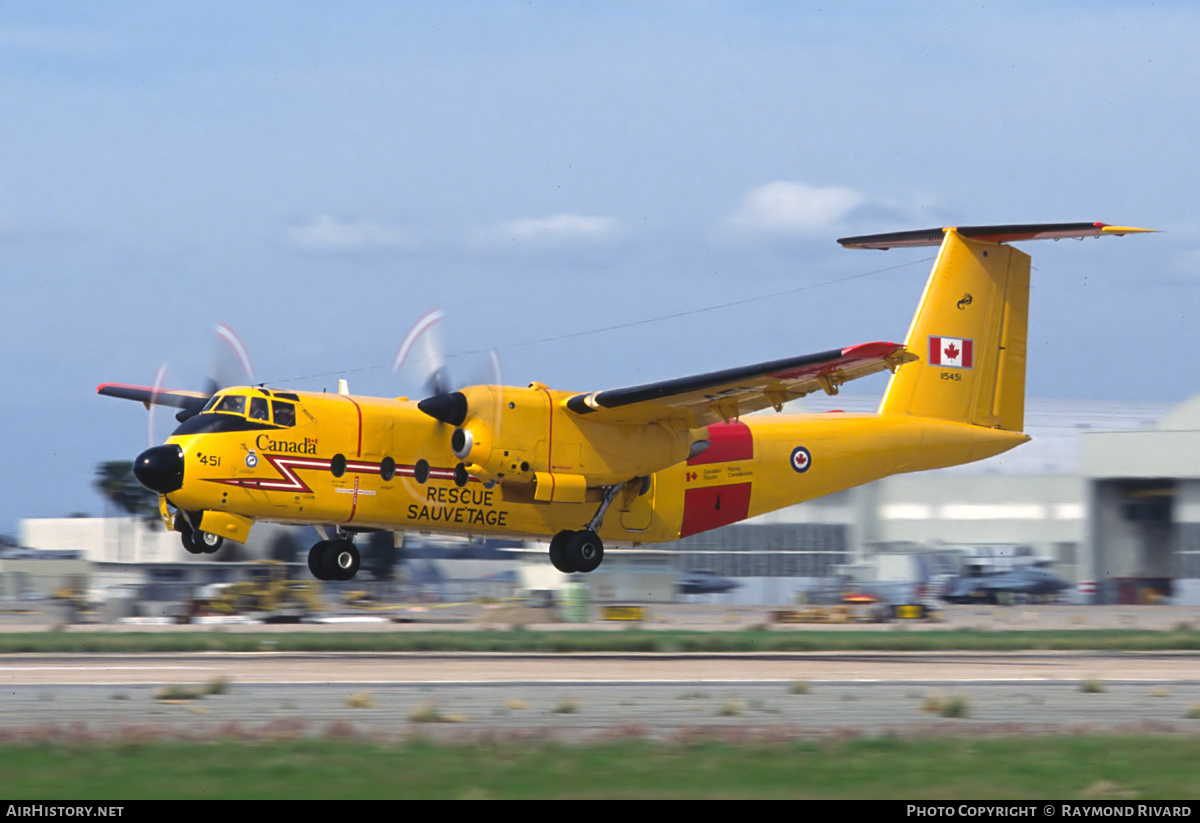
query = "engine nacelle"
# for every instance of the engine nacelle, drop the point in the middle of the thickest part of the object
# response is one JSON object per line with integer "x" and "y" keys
{"x": 514, "y": 435}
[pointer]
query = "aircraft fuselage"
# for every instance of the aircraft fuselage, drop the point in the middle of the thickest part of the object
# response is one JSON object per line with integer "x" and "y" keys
{"x": 364, "y": 463}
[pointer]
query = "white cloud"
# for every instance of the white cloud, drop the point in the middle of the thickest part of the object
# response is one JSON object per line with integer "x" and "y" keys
{"x": 331, "y": 235}
{"x": 555, "y": 233}
{"x": 790, "y": 209}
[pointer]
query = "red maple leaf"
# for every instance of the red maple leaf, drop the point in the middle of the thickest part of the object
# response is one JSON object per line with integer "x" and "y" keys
{"x": 952, "y": 352}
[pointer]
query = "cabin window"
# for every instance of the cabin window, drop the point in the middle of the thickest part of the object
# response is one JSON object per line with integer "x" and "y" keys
{"x": 285, "y": 413}
{"x": 233, "y": 404}
{"x": 258, "y": 409}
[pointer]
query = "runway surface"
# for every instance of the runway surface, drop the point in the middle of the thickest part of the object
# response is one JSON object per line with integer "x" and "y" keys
{"x": 597, "y": 695}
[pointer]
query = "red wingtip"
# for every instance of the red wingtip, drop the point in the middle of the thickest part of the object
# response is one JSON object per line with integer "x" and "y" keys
{"x": 874, "y": 350}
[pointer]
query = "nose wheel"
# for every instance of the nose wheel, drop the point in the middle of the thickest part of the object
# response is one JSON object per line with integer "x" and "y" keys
{"x": 201, "y": 542}
{"x": 334, "y": 560}
{"x": 195, "y": 541}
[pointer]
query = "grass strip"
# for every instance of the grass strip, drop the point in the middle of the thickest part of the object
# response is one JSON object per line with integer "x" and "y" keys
{"x": 1141, "y": 767}
{"x": 627, "y": 641}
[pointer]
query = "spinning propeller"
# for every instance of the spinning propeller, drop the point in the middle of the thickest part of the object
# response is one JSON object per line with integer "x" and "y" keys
{"x": 482, "y": 401}
{"x": 160, "y": 467}
{"x": 231, "y": 366}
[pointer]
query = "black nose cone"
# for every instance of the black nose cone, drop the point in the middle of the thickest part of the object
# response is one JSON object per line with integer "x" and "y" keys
{"x": 450, "y": 407}
{"x": 160, "y": 469}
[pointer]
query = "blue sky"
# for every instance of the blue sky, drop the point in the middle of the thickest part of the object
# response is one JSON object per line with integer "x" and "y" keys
{"x": 319, "y": 175}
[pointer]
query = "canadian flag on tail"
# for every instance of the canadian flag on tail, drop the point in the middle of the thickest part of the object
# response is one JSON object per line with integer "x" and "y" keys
{"x": 953, "y": 352}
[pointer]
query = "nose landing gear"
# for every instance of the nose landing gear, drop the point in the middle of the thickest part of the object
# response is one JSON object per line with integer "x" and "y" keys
{"x": 197, "y": 542}
{"x": 194, "y": 541}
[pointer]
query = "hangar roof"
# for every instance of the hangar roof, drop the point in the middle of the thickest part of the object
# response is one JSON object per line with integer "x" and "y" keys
{"x": 1184, "y": 417}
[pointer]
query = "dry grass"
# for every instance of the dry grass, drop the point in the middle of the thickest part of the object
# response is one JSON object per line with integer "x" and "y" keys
{"x": 430, "y": 713}
{"x": 360, "y": 700}
{"x": 731, "y": 708}
{"x": 175, "y": 692}
{"x": 953, "y": 705}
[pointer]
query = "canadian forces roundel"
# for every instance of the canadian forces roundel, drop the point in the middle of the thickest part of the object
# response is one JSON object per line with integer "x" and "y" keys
{"x": 801, "y": 459}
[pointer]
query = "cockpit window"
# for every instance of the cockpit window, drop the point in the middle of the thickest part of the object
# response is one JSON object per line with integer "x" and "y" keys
{"x": 232, "y": 403}
{"x": 258, "y": 409}
{"x": 285, "y": 413}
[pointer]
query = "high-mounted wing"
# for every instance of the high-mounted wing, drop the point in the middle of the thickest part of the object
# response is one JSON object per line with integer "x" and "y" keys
{"x": 147, "y": 396}
{"x": 990, "y": 234}
{"x": 725, "y": 395}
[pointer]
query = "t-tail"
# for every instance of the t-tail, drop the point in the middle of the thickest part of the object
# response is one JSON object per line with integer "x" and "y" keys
{"x": 971, "y": 328}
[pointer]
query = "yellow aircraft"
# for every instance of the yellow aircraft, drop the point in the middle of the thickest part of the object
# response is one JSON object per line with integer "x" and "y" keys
{"x": 628, "y": 466}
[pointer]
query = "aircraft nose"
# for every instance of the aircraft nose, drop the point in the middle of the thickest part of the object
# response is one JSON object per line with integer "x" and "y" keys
{"x": 160, "y": 469}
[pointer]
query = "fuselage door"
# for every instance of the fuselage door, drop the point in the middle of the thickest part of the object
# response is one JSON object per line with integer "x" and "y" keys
{"x": 637, "y": 514}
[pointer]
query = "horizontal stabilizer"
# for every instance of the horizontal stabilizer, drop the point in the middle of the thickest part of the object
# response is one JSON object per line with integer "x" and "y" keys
{"x": 986, "y": 234}
{"x": 191, "y": 400}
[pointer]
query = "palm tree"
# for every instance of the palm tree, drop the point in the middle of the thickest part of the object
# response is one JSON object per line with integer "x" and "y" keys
{"x": 115, "y": 481}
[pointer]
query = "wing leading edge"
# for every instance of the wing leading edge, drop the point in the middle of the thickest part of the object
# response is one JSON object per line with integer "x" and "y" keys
{"x": 726, "y": 395}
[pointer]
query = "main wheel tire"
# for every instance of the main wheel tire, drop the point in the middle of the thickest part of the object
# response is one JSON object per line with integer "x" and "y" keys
{"x": 342, "y": 560}
{"x": 558, "y": 552}
{"x": 585, "y": 550}
{"x": 316, "y": 560}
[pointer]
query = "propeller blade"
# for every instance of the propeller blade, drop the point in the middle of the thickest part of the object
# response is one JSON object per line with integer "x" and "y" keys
{"x": 152, "y": 407}
{"x": 229, "y": 371}
{"x": 423, "y": 346}
{"x": 231, "y": 367}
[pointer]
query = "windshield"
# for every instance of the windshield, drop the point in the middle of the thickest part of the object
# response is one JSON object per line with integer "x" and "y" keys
{"x": 232, "y": 403}
{"x": 260, "y": 409}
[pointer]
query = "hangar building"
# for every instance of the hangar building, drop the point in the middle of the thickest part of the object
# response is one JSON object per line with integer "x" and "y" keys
{"x": 1107, "y": 492}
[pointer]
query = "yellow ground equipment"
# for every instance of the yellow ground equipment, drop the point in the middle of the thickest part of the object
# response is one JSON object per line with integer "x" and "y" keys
{"x": 269, "y": 593}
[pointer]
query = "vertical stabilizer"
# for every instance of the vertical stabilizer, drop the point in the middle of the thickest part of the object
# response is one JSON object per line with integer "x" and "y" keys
{"x": 970, "y": 335}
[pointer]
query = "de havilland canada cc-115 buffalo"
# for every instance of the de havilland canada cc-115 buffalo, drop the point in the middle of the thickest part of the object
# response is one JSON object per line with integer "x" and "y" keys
{"x": 629, "y": 466}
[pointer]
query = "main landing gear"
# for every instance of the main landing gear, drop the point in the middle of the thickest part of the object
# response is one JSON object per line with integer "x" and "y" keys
{"x": 583, "y": 551}
{"x": 580, "y": 551}
{"x": 334, "y": 559}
